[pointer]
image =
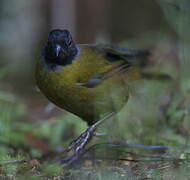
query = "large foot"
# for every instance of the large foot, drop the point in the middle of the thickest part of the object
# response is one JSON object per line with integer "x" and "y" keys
{"x": 78, "y": 144}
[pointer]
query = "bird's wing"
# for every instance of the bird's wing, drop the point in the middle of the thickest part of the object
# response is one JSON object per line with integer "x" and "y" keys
{"x": 130, "y": 56}
{"x": 126, "y": 58}
{"x": 100, "y": 77}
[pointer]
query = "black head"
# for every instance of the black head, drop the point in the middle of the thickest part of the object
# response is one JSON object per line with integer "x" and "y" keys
{"x": 60, "y": 48}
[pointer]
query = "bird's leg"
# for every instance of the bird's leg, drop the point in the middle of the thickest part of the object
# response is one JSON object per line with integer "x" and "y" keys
{"x": 79, "y": 143}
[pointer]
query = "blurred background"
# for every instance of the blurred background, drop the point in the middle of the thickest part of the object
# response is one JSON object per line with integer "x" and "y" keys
{"x": 157, "y": 113}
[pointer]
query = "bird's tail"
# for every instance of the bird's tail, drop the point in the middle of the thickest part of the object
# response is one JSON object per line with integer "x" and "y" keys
{"x": 139, "y": 57}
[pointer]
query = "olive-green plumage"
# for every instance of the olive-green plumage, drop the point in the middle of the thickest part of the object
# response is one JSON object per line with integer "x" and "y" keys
{"x": 95, "y": 81}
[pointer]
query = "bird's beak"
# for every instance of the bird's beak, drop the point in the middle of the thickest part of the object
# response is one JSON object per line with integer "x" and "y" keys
{"x": 57, "y": 50}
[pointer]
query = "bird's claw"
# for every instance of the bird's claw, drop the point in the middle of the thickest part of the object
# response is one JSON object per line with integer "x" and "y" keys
{"x": 78, "y": 144}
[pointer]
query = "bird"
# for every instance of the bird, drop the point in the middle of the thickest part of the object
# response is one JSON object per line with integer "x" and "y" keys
{"x": 92, "y": 81}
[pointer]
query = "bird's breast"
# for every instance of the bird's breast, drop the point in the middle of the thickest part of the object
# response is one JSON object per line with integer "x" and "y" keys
{"x": 63, "y": 87}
